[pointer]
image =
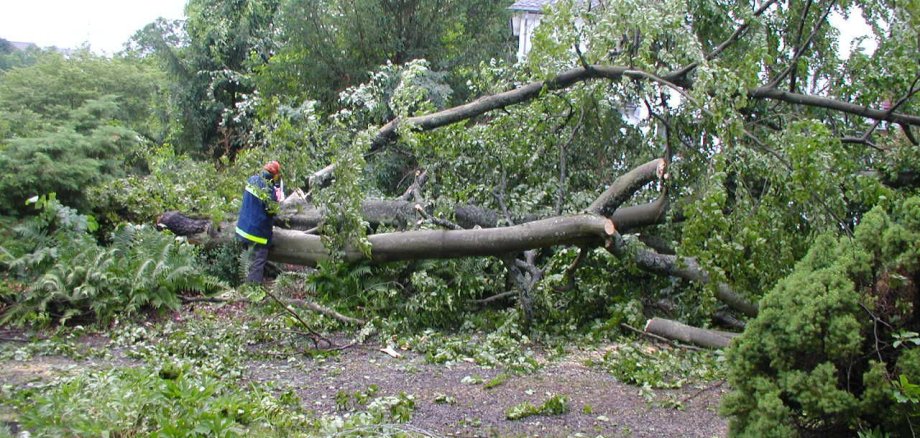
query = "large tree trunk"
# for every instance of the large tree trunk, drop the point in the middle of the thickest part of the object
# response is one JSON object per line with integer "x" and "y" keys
{"x": 296, "y": 247}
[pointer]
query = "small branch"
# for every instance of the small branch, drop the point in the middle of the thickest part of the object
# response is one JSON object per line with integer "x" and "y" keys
{"x": 735, "y": 36}
{"x": 910, "y": 93}
{"x": 798, "y": 38}
{"x": 801, "y": 50}
{"x": 314, "y": 336}
{"x": 436, "y": 220}
{"x": 191, "y": 300}
{"x": 499, "y": 193}
{"x": 861, "y": 140}
{"x": 493, "y": 298}
{"x": 328, "y": 312}
{"x": 569, "y": 274}
{"x": 708, "y": 388}
{"x": 626, "y": 185}
{"x": 909, "y": 134}
{"x": 414, "y": 190}
{"x": 560, "y": 191}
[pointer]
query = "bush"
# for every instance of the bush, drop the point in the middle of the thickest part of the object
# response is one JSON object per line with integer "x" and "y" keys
{"x": 822, "y": 357}
{"x": 66, "y": 274}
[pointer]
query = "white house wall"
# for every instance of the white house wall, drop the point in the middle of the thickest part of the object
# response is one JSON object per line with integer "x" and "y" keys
{"x": 528, "y": 22}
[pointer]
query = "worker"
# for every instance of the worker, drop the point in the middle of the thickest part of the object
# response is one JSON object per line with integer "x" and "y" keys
{"x": 261, "y": 199}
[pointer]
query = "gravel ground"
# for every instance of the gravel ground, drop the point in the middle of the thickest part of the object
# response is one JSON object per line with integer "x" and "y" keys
{"x": 598, "y": 404}
{"x": 614, "y": 409}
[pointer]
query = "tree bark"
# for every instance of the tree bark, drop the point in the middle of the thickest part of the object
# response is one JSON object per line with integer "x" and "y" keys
{"x": 291, "y": 246}
{"x": 626, "y": 185}
{"x": 667, "y": 328}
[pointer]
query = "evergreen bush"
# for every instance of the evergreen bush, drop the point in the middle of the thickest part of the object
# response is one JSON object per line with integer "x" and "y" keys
{"x": 833, "y": 350}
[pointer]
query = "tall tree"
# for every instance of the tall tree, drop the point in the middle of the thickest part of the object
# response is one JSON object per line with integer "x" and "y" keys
{"x": 328, "y": 45}
{"x": 210, "y": 57}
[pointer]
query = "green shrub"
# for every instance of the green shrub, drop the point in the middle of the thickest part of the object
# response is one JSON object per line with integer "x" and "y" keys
{"x": 67, "y": 274}
{"x": 820, "y": 357}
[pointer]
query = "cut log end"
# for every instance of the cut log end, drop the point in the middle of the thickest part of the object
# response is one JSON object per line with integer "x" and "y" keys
{"x": 662, "y": 170}
{"x": 609, "y": 227}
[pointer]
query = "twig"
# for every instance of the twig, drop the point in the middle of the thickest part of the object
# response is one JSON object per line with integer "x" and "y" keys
{"x": 708, "y": 388}
{"x": 436, "y": 220}
{"x": 801, "y": 50}
{"x": 314, "y": 336}
{"x": 496, "y": 297}
{"x": 660, "y": 338}
{"x": 725, "y": 44}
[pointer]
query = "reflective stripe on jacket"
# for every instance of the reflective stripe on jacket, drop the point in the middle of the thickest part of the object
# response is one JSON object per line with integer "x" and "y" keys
{"x": 255, "y": 220}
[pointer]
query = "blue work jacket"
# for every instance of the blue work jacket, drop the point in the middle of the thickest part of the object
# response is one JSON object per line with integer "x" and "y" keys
{"x": 257, "y": 212}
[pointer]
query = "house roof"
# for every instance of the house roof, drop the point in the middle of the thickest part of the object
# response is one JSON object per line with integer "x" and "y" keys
{"x": 538, "y": 5}
{"x": 21, "y": 45}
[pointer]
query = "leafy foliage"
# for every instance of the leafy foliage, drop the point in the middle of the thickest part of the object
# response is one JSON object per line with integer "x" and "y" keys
{"x": 190, "y": 383}
{"x": 506, "y": 347}
{"x": 812, "y": 361}
{"x": 649, "y": 367}
{"x": 142, "y": 400}
{"x": 554, "y": 405}
{"x": 87, "y": 150}
{"x": 66, "y": 274}
{"x": 453, "y": 35}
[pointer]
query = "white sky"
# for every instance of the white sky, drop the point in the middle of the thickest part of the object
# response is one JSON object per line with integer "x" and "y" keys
{"x": 105, "y": 24}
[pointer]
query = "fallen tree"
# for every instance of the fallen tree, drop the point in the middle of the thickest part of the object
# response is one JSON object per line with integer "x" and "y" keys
{"x": 598, "y": 227}
{"x": 473, "y": 231}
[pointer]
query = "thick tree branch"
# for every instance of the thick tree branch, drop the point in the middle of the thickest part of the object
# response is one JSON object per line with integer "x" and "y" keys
{"x": 299, "y": 248}
{"x": 626, "y": 186}
{"x": 832, "y": 104}
{"x": 682, "y": 267}
{"x": 571, "y": 77}
{"x": 669, "y": 329}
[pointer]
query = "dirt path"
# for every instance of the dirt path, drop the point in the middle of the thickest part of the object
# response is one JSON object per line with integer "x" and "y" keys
{"x": 446, "y": 404}
{"x": 598, "y": 404}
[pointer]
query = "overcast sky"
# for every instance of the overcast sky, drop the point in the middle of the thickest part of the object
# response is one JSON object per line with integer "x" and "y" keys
{"x": 105, "y": 24}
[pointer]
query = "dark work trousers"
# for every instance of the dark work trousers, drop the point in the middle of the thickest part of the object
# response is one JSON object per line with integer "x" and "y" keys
{"x": 258, "y": 256}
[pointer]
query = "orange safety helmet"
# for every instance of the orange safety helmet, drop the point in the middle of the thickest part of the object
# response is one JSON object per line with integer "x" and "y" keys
{"x": 273, "y": 167}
